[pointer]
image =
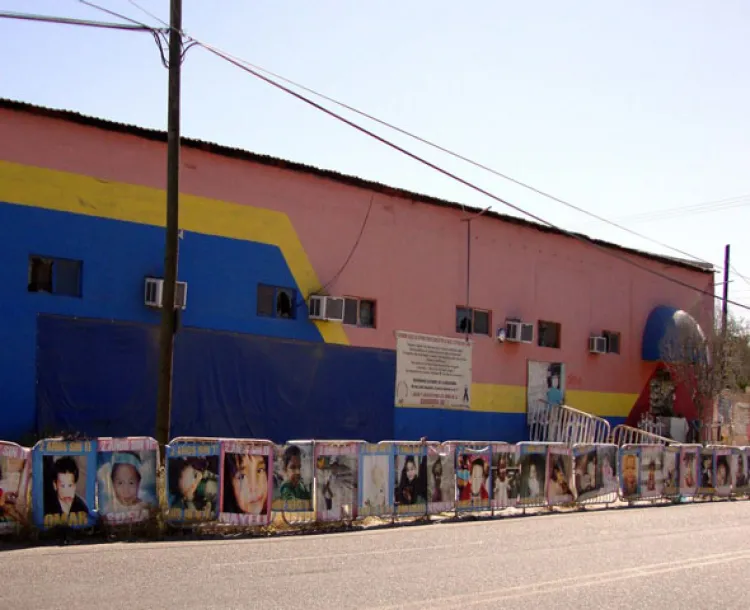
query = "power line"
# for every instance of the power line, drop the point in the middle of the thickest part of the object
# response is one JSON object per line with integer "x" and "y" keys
{"x": 701, "y": 208}
{"x": 81, "y": 22}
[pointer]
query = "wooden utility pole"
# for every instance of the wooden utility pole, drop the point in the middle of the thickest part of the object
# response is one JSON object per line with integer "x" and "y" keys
{"x": 725, "y": 299}
{"x": 171, "y": 246}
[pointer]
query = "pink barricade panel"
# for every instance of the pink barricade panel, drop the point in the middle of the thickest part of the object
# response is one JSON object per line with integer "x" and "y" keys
{"x": 689, "y": 469}
{"x": 533, "y": 458}
{"x": 126, "y": 479}
{"x": 336, "y": 480}
{"x": 246, "y": 480}
{"x": 506, "y": 475}
{"x": 472, "y": 477}
{"x": 375, "y": 492}
{"x": 560, "y": 482}
{"x": 15, "y": 475}
{"x": 293, "y": 475}
{"x": 441, "y": 470}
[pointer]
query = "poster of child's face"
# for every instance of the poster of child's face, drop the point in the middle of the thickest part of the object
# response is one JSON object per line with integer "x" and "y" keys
{"x": 440, "y": 477}
{"x": 587, "y": 483}
{"x": 630, "y": 460}
{"x": 193, "y": 487}
{"x": 723, "y": 472}
{"x": 293, "y": 478}
{"x": 65, "y": 478}
{"x": 688, "y": 471}
{"x": 245, "y": 485}
{"x": 410, "y": 483}
{"x": 375, "y": 473}
{"x": 740, "y": 470}
{"x": 559, "y": 479}
{"x": 506, "y": 477}
{"x": 670, "y": 471}
{"x": 472, "y": 475}
{"x": 14, "y": 476}
{"x": 533, "y": 471}
{"x": 127, "y": 485}
{"x": 652, "y": 474}
{"x": 606, "y": 468}
{"x": 336, "y": 489}
{"x": 706, "y": 470}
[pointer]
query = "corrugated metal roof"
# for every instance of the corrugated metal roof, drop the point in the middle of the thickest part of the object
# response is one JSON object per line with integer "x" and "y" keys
{"x": 237, "y": 153}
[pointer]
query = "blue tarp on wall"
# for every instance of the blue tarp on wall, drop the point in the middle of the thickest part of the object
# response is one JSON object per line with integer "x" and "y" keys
{"x": 98, "y": 378}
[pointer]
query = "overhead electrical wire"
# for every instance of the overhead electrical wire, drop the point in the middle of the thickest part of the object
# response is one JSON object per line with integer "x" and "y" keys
{"x": 721, "y": 205}
{"x": 243, "y": 65}
{"x": 81, "y": 22}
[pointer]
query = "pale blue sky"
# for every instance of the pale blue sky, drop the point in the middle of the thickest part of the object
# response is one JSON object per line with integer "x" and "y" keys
{"x": 621, "y": 107}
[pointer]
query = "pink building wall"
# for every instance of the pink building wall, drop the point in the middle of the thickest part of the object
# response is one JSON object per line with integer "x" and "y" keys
{"x": 412, "y": 256}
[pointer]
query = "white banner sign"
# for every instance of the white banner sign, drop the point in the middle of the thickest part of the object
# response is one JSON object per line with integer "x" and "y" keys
{"x": 432, "y": 371}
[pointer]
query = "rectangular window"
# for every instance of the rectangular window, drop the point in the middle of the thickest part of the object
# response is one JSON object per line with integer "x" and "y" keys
{"x": 613, "y": 341}
{"x": 55, "y": 275}
{"x": 359, "y": 312}
{"x": 549, "y": 334}
{"x": 277, "y": 302}
{"x": 470, "y": 320}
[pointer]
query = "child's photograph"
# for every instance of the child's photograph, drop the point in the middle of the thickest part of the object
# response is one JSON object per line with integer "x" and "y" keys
{"x": 293, "y": 478}
{"x": 722, "y": 472}
{"x": 630, "y": 460}
{"x": 410, "y": 482}
{"x": 193, "y": 485}
{"x": 473, "y": 487}
{"x": 65, "y": 485}
{"x": 14, "y": 475}
{"x": 652, "y": 475}
{"x": 670, "y": 471}
{"x": 336, "y": 488}
{"x": 606, "y": 469}
{"x": 441, "y": 489}
{"x": 586, "y": 466}
{"x": 533, "y": 471}
{"x": 688, "y": 471}
{"x": 706, "y": 471}
{"x": 245, "y": 484}
{"x": 126, "y": 482}
{"x": 506, "y": 477}
{"x": 739, "y": 469}
{"x": 375, "y": 471}
{"x": 560, "y": 477}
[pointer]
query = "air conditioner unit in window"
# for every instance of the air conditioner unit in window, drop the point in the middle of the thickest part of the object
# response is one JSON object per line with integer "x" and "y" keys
{"x": 518, "y": 332}
{"x": 598, "y": 345}
{"x": 326, "y": 308}
{"x": 154, "y": 293}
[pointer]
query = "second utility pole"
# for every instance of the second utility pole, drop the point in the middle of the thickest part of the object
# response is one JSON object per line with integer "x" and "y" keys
{"x": 171, "y": 245}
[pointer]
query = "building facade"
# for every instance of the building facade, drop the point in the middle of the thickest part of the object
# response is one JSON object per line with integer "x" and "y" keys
{"x": 82, "y": 210}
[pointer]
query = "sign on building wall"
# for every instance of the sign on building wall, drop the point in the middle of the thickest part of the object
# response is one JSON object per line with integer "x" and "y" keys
{"x": 545, "y": 386}
{"x": 432, "y": 371}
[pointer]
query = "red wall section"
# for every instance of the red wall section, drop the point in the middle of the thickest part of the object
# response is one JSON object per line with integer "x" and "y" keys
{"x": 412, "y": 256}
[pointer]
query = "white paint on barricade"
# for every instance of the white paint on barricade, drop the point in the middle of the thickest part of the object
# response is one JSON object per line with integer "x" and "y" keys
{"x": 671, "y": 471}
{"x": 410, "y": 479}
{"x": 15, "y": 475}
{"x": 740, "y": 465}
{"x": 441, "y": 484}
{"x": 722, "y": 467}
{"x": 571, "y": 426}
{"x": 336, "y": 466}
{"x": 472, "y": 477}
{"x": 533, "y": 461}
{"x": 506, "y": 476}
{"x": 627, "y": 435}
{"x": 193, "y": 480}
{"x": 126, "y": 479}
{"x": 294, "y": 481}
{"x": 595, "y": 473}
{"x": 375, "y": 492}
{"x": 559, "y": 475}
{"x": 689, "y": 472}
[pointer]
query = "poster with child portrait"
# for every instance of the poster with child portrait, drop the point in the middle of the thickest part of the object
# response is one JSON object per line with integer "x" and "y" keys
{"x": 560, "y": 483}
{"x": 126, "y": 479}
{"x": 64, "y": 493}
{"x": 723, "y": 471}
{"x": 533, "y": 474}
{"x": 293, "y": 477}
{"x": 336, "y": 486}
{"x": 652, "y": 473}
{"x": 472, "y": 477}
{"x": 246, "y": 482}
{"x": 741, "y": 483}
{"x": 505, "y": 475}
{"x": 630, "y": 471}
{"x": 375, "y": 494}
{"x": 193, "y": 481}
{"x": 15, "y": 472}
{"x": 706, "y": 472}
{"x": 689, "y": 475}
{"x": 606, "y": 469}
{"x": 410, "y": 479}
{"x": 585, "y": 464}
{"x": 441, "y": 472}
{"x": 671, "y": 471}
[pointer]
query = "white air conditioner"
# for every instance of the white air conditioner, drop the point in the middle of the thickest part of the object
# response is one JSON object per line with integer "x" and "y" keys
{"x": 326, "y": 308}
{"x": 597, "y": 344}
{"x": 154, "y": 293}
{"x": 518, "y": 332}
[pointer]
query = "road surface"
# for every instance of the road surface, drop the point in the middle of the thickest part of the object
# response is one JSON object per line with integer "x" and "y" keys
{"x": 688, "y": 556}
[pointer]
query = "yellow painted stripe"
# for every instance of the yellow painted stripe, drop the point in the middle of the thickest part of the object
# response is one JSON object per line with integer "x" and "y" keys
{"x": 67, "y": 192}
{"x": 603, "y": 404}
{"x": 496, "y": 398}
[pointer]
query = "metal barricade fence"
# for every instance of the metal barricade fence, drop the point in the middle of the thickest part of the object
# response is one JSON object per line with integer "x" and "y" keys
{"x": 627, "y": 435}
{"x": 595, "y": 473}
{"x": 571, "y": 426}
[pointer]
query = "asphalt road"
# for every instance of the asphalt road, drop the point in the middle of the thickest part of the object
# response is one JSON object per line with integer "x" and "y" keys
{"x": 689, "y": 556}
